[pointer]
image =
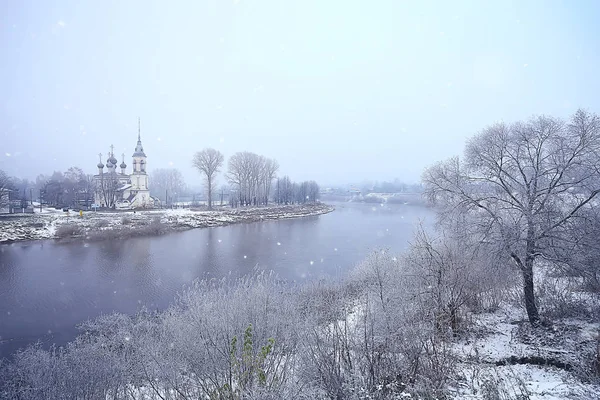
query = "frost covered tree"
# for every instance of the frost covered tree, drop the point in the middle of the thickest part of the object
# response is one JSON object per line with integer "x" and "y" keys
{"x": 520, "y": 185}
{"x": 208, "y": 162}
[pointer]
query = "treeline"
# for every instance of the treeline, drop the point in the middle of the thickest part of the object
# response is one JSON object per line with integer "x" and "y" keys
{"x": 73, "y": 187}
{"x": 288, "y": 192}
{"x": 251, "y": 180}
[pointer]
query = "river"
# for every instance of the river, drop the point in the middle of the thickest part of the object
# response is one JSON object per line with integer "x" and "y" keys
{"x": 47, "y": 287}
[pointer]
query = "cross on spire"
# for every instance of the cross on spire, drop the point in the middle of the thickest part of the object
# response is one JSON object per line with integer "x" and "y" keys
{"x": 100, "y": 155}
{"x": 112, "y": 153}
{"x": 123, "y": 156}
{"x": 139, "y": 128}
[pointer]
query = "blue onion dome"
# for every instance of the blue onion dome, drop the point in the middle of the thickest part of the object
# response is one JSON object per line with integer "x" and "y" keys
{"x": 123, "y": 165}
{"x": 100, "y": 165}
{"x": 113, "y": 160}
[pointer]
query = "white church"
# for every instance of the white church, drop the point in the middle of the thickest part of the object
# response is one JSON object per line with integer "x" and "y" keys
{"x": 119, "y": 189}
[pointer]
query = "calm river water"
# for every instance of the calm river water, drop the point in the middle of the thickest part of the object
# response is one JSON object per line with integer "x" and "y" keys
{"x": 46, "y": 288}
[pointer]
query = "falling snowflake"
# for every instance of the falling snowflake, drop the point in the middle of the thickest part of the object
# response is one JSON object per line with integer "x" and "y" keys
{"x": 335, "y": 249}
{"x": 524, "y": 65}
{"x": 312, "y": 262}
{"x": 7, "y": 154}
{"x": 61, "y": 23}
{"x": 219, "y": 240}
{"x": 278, "y": 243}
{"x": 245, "y": 256}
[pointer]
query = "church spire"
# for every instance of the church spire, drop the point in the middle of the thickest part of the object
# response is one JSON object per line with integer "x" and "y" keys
{"x": 139, "y": 149}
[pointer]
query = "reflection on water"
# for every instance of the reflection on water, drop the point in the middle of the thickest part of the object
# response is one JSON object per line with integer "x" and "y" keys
{"x": 47, "y": 288}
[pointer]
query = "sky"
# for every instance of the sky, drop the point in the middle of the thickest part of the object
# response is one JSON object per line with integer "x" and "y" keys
{"x": 336, "y": 91}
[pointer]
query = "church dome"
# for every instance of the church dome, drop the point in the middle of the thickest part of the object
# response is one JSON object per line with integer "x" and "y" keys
{"x": 123, "y": 165}
{"x": 113, "y": 160}
{"x": 100, "y": 165}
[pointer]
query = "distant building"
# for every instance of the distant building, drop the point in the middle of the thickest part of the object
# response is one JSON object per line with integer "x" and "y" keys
{"x": 112, "y": 188}
{"x": 354, "y": 191}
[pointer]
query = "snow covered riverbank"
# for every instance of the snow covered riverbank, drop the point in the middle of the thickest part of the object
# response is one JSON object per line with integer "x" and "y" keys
{"x": 50, "y": 224}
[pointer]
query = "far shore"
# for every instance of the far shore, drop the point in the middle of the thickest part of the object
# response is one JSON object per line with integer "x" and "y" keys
{"x": 100, "y": 225}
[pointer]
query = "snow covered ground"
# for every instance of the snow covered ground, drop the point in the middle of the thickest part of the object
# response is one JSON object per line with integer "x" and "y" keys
{"x": 506, "y": 358}
{"x": 51, "y": 223}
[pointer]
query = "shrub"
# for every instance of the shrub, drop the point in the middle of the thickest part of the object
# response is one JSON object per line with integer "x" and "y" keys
{"x": 103, "y": 223}
{"x": 559, "y": 298}
{"x": 68, "y": 230}
{"x": 125, "y": 221}
{"x": 155, "y": 227}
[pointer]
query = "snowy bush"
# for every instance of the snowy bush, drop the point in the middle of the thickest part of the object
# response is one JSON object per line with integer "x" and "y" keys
{"x": 68, "y": 230}
{"x": 103, "y": 223}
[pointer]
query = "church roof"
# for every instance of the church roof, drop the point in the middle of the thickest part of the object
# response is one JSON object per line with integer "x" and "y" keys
{"x": 139, "y": 149}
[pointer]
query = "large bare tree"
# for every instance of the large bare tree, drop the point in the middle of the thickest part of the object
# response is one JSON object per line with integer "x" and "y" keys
{"x": 208, "y": 162}
{"x": 521, "y": 185}
{"x": 251, "y": 175}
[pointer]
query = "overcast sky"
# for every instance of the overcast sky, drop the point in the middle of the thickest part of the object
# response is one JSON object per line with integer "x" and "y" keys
{"x": 336, "y": 91}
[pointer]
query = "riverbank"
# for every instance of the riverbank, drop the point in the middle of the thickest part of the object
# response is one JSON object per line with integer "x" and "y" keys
{"x": 55, "y": 224}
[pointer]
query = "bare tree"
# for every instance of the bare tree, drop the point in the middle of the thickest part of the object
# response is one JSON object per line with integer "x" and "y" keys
{"x": 107, "y": 187}
{"x": 5, "y": 188}
{"x": 285, "y": 194}
{"x": 251, "y": 176}
{"x": 520, "y": 185}
{"x": 268, "y": 174}
{"x": 313, "y": 191}
{"x": 166, "y": 180}
{"x": 208, "y": 162}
